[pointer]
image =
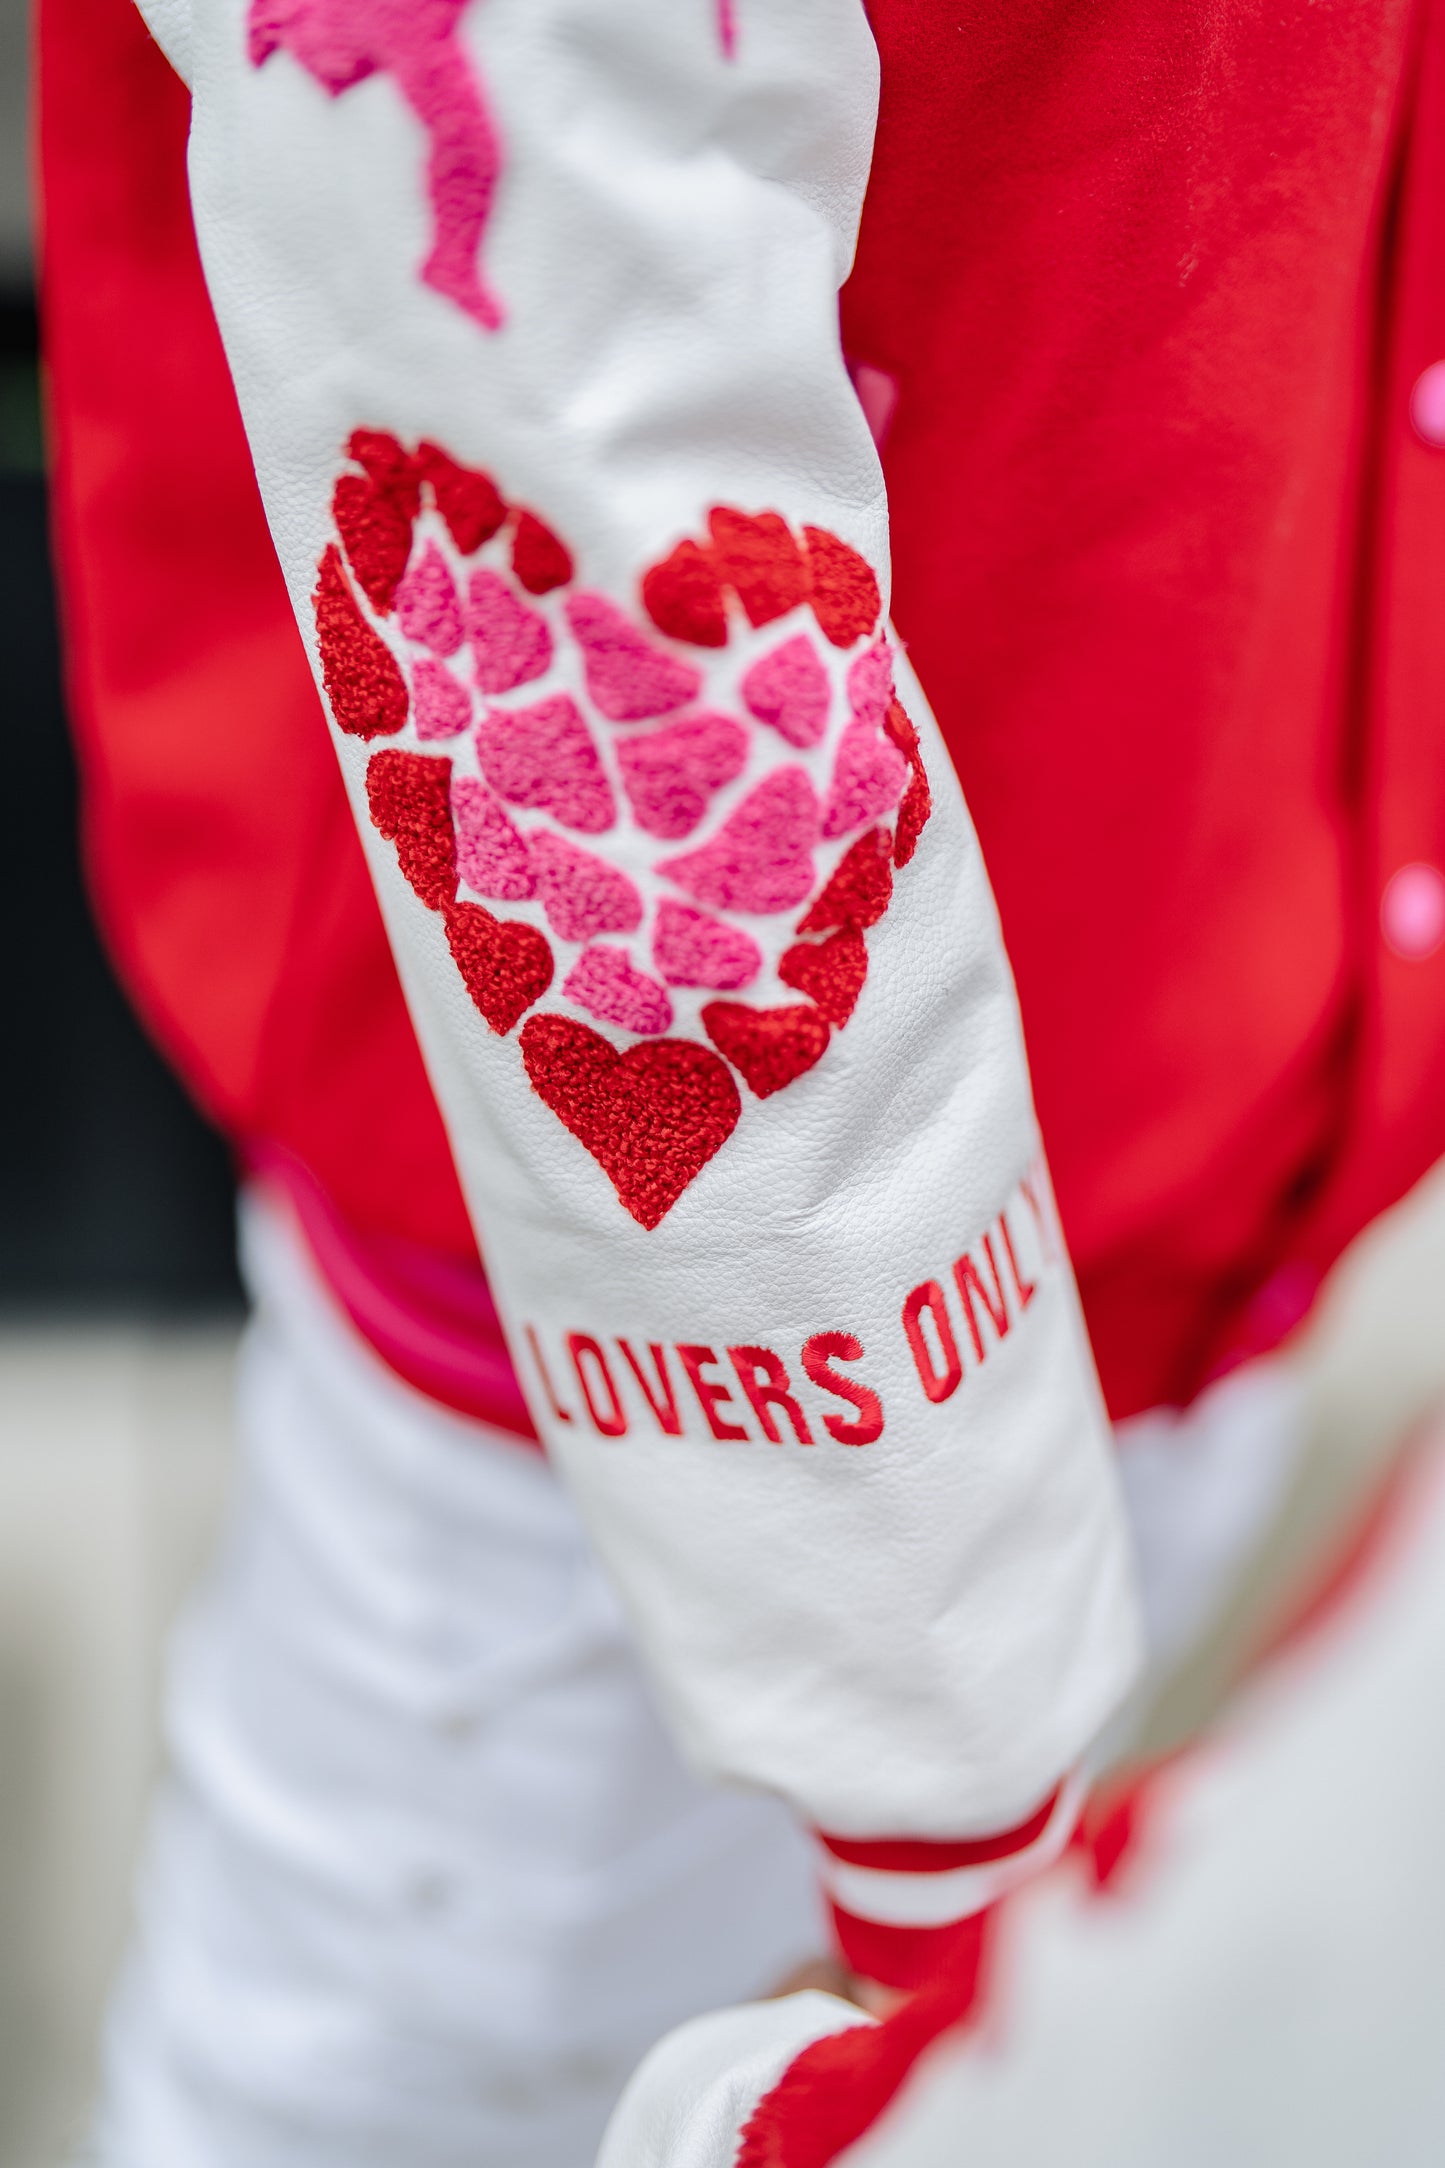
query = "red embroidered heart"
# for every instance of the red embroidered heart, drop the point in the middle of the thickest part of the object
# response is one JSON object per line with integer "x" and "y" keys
{"x": 842, "y": 588}
{"x": 759, "y": 560}
{"x": 409, "y": 796}
{"x": 860, "y": 890}
{"x": 771, "y": 1047}
{"x": 918, "y": 798}
{"x": 829, "y": 972}
{"x": 374, "y": 512}
{"x": 366, "y": 690}
{"x": 684, "y": 597}
{"x": 505, "y": 965}
{"x": 469, "y": 502}
{"x": 652, "y": 1118}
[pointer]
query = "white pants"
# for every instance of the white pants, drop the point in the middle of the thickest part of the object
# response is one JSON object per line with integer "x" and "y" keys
{"x": 427, "y": 1877}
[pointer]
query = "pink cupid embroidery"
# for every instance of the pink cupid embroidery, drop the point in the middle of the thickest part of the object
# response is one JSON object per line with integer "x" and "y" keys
{"x": 341, "y": 42}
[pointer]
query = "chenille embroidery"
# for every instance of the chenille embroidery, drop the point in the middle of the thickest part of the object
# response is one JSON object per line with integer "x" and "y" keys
{"x": 608, "y": 834}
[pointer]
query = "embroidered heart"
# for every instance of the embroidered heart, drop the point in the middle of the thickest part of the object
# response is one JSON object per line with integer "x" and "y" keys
{"x": 870, "y": 684}
{"x": 607, "y": 982}
{"x": 469, "y": 501}
{"x": 917, "y": 799}
{"x": 670, "y": 774}
{"x": 540, "y": 561}
{"x": 691, "y": 949}
{"x": 511, "y": 644}
{"x": 860, "y": 890}
{"x": 652, "y": 1118}
{"x": 544, "y": 757}
{"x": 759, "y": 559}
{"x": 683, "y": 596}
{"x": 374, "y": 513}
{"x": 771, "y": 1048}
{"x": 492, "y": 857}
{"x": 365, "y": 689}
{"x": 427, "y": 608}
{"x": 409, "y": 797}
{"x": 761, "y": 859}
{"x": 830, "y": 973}
{"x": 505, "y": 964}
{"x": 583, "y": 895}
{"x": 440, "y": 707}
{"x": 868, "y": 779}
{"x": 790, "y": 690}
{"x": 841, "y": 588}
{"x": 628, "y": 678}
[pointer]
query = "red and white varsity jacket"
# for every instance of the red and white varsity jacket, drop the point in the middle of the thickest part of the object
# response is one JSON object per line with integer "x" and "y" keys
{"x": 1146, "y": 313}
{"x": 531, "y": 310}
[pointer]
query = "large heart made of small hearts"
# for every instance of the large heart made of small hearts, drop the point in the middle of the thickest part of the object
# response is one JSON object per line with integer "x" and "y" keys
{"x": 656, "y": 832}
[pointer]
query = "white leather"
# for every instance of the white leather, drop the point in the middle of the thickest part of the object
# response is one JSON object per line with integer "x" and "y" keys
{"x": 688, "y": 2100}
{"x": 916, "y": 1636}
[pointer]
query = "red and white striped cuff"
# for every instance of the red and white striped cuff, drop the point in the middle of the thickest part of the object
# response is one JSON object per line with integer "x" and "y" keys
{"x": 904, "y": 1908}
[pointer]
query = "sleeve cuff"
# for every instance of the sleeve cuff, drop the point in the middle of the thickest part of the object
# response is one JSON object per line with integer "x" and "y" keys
{"x": 906, "y": 1910}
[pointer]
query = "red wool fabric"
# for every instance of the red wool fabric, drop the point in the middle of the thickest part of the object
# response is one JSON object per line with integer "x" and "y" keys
{"x": 841, "y": 587}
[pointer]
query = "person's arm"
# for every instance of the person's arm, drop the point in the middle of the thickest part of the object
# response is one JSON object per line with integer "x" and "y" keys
{"x": 532, "y": 311}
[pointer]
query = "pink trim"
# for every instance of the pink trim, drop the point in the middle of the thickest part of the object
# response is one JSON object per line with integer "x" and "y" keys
{"x": 431, "y": 1319}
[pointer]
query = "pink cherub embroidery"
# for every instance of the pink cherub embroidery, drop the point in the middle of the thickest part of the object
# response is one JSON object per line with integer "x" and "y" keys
{"x": 340, "y": 43}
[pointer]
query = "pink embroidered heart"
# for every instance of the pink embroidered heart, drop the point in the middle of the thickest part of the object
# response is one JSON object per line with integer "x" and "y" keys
{"x": 691, "y": 949}
{"x": 652, "y": 1118}
{"x": 440, "y": 705}
{"x": 583, "y": 896}
{"x": 544, "y": 757}
{"x": 870, "y": 684}
{"x": 492, "y": 857}
{"x": 511, "y": 644}
{"x": 761, "y": 859}
{"x": 427, "y": 608}
{"x": 670, "y": 774}
{"x": 868, "y": 779}
{"x": 627, "y": 677}
{"x": 790, "y": 690}
{"x": 505, "y": 965}
{"x": 608, "y": 983}
{"x": 771, "y": 1047}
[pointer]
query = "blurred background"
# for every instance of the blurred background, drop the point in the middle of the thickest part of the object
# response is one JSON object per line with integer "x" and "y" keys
{"x": 119, "y": 1309}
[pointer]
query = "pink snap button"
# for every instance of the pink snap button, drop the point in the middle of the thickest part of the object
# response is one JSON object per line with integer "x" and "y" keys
{"x": 1427, "y": 405}
{"x": 1412, "y": 910}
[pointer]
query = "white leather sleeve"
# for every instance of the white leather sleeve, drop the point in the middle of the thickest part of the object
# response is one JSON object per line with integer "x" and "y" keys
{"x": 726, "y": 1100}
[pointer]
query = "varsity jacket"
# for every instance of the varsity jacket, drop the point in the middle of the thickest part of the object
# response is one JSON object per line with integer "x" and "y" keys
{"x": 532, "y": 317}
